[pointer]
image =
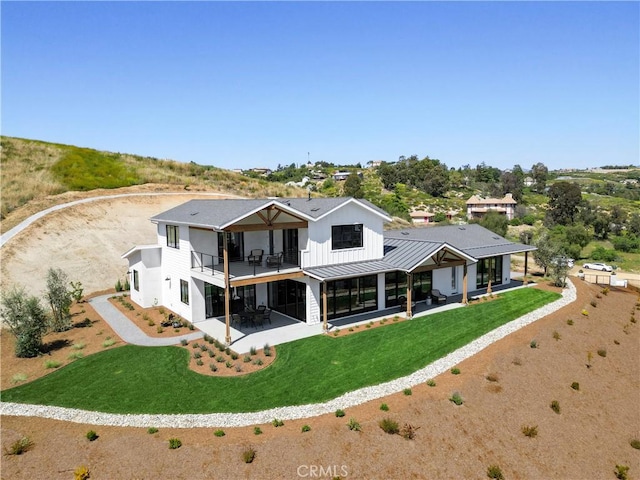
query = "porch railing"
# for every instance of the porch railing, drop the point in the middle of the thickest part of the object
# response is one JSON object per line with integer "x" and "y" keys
{"x": 214, "y": 264}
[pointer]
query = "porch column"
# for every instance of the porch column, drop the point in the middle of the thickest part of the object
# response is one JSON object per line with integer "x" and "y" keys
{"x": 409, "y": 290}
{"x": 489, "y": 284}
{"x": 526, "y": 264}
{"x": 324, "y": 307}
{"x": 464, "y": 284}
{"x": 225, "y": 263}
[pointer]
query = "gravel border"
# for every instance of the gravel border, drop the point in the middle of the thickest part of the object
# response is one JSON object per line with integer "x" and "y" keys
{"x": 349, "y": 399}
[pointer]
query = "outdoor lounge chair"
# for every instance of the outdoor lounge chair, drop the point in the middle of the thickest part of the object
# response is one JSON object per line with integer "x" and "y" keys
{"x": 437, "y": 296}
{"x": 256, "y": 256}
{"x": 403, "y": 304}
{"x": 274, "y": 260}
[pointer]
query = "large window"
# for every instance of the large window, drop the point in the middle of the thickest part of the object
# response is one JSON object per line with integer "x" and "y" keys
{"x": 289, "y": 297}
{"x": 351, "y": 296}
{"x": 489, "y": 268}
{"x": 346, "y": 236}
{"x": 173, "y": 236}
{"x": 184, "y": 291}
{"x": 136, "y": 281}
{"x": 395, "y": 286}
{"x": 235, "y": 245}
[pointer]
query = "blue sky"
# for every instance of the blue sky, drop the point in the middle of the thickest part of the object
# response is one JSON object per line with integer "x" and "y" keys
{"x": 260, "y": 84}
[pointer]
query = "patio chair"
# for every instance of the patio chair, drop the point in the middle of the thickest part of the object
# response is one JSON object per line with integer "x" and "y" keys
{"x": 261, "y": 308}
{"x": 437, "y": 296}
{"x": 236, "y": 319}
{"x": 256, "y": 256}
{"x": 267, "y": 315}
{"x": 403, "y": 304}
{"x": 258, "y": 320}
{"x": 274, "y": 260}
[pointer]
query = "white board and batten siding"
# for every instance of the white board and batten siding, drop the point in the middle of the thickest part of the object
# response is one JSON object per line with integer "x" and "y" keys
{"x": 319, "y": 251}
{"x": 147, "y": 262}
{"x": 176, "y": 265}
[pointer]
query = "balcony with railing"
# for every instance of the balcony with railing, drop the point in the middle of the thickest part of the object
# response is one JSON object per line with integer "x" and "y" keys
{"x": 254, "y": 264}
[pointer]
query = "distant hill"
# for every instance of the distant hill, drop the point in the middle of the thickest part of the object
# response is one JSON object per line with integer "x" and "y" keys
{"x": 33, "y": 171}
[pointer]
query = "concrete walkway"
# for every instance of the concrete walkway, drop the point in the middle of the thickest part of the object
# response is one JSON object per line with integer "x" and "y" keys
{"x": 128, "y": 331}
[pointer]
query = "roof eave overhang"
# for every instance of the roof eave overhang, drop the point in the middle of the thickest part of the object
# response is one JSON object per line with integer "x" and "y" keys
{"x": 282, "y": 206}
{"x": 386, "y": 218}
{"x": 468, "y": 258}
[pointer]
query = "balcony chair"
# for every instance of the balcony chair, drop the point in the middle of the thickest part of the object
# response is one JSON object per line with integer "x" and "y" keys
{"x": 274, "y": 260}
{"x": 437, "y": 296}
{"x": 256, "y": 256}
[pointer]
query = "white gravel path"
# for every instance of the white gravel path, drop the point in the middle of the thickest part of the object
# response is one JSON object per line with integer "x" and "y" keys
{"x": 349, "y": 399}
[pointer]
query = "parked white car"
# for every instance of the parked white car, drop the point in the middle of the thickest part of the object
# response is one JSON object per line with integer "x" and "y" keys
{"x": 598, "y": 266}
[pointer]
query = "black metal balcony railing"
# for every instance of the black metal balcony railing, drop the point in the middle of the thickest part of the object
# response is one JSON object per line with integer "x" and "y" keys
{"x": 249, "y": 265}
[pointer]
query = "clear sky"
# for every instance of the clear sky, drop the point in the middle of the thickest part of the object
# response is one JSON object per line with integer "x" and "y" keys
{"x": 260, "y": 84}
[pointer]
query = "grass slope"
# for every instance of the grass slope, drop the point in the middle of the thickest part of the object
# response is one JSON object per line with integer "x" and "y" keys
{"x": 133, "y": 379}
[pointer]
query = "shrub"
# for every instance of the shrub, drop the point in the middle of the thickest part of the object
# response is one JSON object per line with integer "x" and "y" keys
{"x": 621, "y": 472}
{"x": 257, "y": 362}
{"x": 556, "y": 335}
{"x": 408, "y": 431}
{"x": 354, "y": 425}
{"x": 27, "y": 320}
{"x": 59, "y": 297}
{"x": 246, "y": 359}
{"x": 602, "y": 352}
{"x": 118, "y": 286}
{"x": 252, "y": 351}
{"x": 108, "y": 342}
{"x": 219, "y": 433}
{"x": 212, "y": 367}
{"x": 81, "y": 473}
{"x": 228, "y": 364}
{"x": 208, "y": 338}
{"x": 227, "y": 351}
{"x": 78, "y": 346}
{"x": 530, "y": 431}
{"x": 407, "y": 391}
{"x": 267, "y": 350}
{"x": 151, "y": 323}
{"x": 456, "y": 398}
{"x": 555, "y": 406}
{"x": 455, "y": 371}
{"x": 152, "y": 430}
{"x": 585, "y": 312}
{"x": 18, "y": 378}
{"x": 257, "y": 431}
{"x": 75, "y": 355}
{"x": 389, "y": 426}
{"x": 220, "y": 359}
{"x": 339, "y": 413}
{"x": 174, "y": 443}
{"x": 159, "y": 329}
{"x": 248, "y": 454}
{"x": 605, "y": 291}
{"x": 575, "y": 386}
{"x": 277, "y": 423}
{"x": 492, "y": 377}
{"x": 91, "y": 435}
{"x": 569, "y": 322}
{"x": 305, "y": 428}
{"x": 195, "y": 345}
{"x": 431, "y": 382}
{"x": 199, "y": 362}
{"x": 494, "y": 471}
{"x": 516, "y": 361}
{"x": 533, "y": 344}
{"x": 384, "y": 407}
{"x": 635, "y": 443}
{"x": 197, "y": 355}
{"x": 52, "y": 364}
{"x": 211, "y": 353}
{"x": 594, "y": 303}
{"x": 204, "y": 347}
{"x": 238, "y": 368}
{"x": 234, "y": 356}
{"x": 19, "y": 446}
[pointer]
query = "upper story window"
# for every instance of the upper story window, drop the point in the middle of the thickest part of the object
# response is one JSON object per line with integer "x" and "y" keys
{"x": 346, "y": 236}
{"x": 173, "y": 236}
{"x": 136, "y": 281}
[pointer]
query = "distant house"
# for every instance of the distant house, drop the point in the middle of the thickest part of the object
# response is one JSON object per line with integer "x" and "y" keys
{"x": 262, "y": 171}
{"x": 528, "y": 181}
{"x": 421, "y": 217}
{"x": 478, "y": 206}
{"x": 340, "y": 176}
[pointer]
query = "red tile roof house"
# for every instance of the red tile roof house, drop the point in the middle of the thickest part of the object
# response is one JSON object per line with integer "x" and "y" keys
{"x": 312, "y": 260}
{"x": 478, "y": 206}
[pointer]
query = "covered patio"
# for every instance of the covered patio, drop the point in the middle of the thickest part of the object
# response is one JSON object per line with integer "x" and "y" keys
{"x": 284, "y": 329}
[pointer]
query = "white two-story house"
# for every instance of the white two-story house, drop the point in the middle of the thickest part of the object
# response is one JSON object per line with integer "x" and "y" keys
{"x": 312, "y": 259}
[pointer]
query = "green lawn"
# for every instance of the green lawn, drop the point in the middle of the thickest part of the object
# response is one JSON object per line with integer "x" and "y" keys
{"x": 133, "y": 379}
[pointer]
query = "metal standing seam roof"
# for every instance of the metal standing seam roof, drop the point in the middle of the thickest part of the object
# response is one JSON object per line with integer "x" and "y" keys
{"x": 350, "y": 270}
{"x": 217, "y": 213}
{"x": 406, "y": 254}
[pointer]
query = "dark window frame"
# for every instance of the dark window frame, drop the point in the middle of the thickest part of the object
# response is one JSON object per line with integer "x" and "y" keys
{"x": 136, "y": 281}
{"x": 347, "y": 236}
{"x": 184, "y": 291}
{"x": 173, "y": 236}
